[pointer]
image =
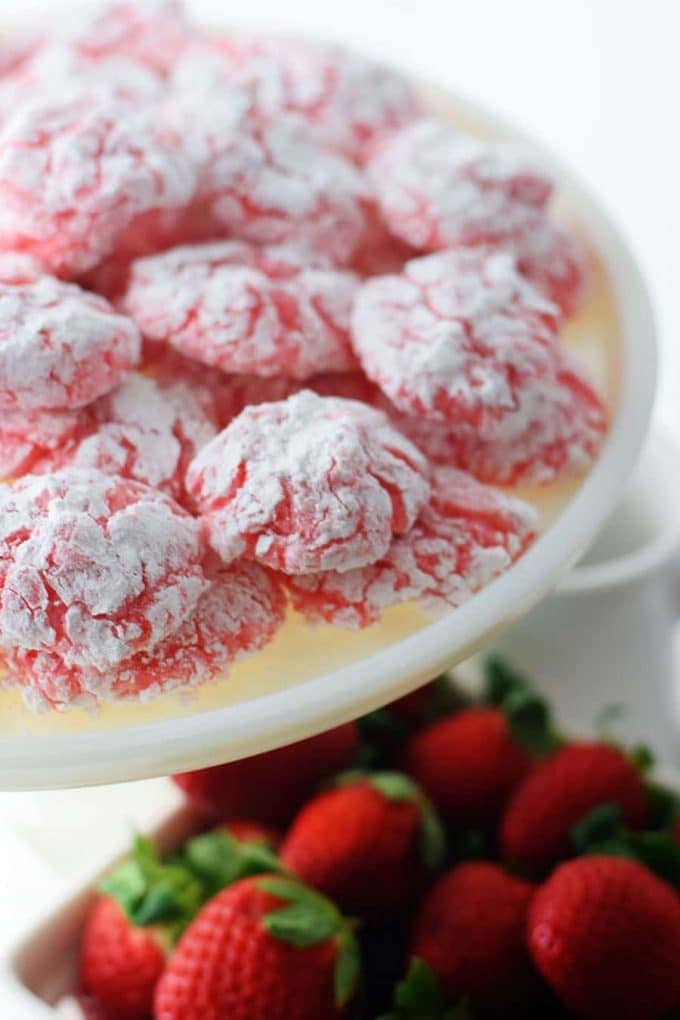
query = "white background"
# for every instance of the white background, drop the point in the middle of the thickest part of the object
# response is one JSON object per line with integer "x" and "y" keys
{"x": 596, "y": 80}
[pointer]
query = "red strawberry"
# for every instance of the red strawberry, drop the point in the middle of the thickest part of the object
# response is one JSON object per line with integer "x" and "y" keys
{"x": 271, "y": 787}
{"x": 367, "y": 844}
{"x": 266, "y": 948}
{"x": 130, "y": 930}
{"x": 536, "y": 827}
{"x": 470, "y": 932}
{"x": 119, "y": 962}
{"x": 468, "y": 764}
{"x": 81, "y": 1007}
{"x": 605, "y": 934}
{"x": 246, "y": 831}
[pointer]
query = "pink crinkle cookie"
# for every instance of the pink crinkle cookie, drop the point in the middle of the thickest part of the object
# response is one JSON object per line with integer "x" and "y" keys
{"x": 269, "y": 183}
{"x": 438, "y": 187}
{"x": 244, "y": 309}
{"x": 144, "y": 431}
{"x": 458, "y": 336}
{"x": 152, "y": 34}
{"x": 556, "y": 263}
{"x": 239, "y": 613}
{"x": 29, "y": 439}
{"x": 348, "y": 101}
{"x": 75, "y": 175}
{"x": 465, "y": 536}
{"x": 94, "y": 568}
{"x": 564, "y": 430}
{"x": 307, "y": 484}
{"x": 60, "y": 346}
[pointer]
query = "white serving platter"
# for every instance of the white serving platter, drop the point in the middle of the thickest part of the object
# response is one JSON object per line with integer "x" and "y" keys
{"x": 309, "y": 680}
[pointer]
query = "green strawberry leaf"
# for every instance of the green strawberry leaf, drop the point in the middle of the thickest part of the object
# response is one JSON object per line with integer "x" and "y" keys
{"x": 218, "y": 859}
{"x": 603, "y": 824}
{"x": 602, "y": 832}
{"x": 394, "y": 785}
{"x": 420, "y": 996}
{"x": 301, "y": 925}
{"x": 530, "y": 722}
{"x": 664, "y": 805}
{"x": 151, "y": 891}
{"x": 310, "y": 918}
{"x": 501, "y": 679}
{"x": 642, "y": 757}
{"x": 432, "y": 836}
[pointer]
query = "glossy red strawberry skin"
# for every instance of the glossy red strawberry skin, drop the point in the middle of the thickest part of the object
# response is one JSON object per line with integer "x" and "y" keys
{"x": 536, "y": 826}
{"x": 270, "y": 787}
{"x": 470, "y": 929}
{"x": 605, "y": 934}
{"x": 359, "y": 848}
{"x": 227, "y": 965}
{"x": 469, "y": 765}
{"x": 120, "y": 964}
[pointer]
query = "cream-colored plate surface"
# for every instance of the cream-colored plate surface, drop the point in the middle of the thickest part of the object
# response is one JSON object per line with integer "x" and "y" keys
{"x": 310, "y": 679}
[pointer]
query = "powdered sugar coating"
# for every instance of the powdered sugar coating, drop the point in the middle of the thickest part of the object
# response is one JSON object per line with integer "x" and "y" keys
{"x": 239, "y": 613}
{"x": 348, "y": 101}
{"x": 94, "y": 568}
{"x": 152, "y": 34}
{"x": 143, "y": 431}
{"x": 565, "y": 426}
{"x": 31, "y": 438}
{"x": 438, "y": 187}
{"x": 74, "y": 175}
{"x": 60, "y": 346}
{"x": 244, "y": 309}
{"x": 269, "y": 183}
{"x": 458, "y": 336}
{"x": 465, "y": 536}
{"x": 308, "y": 484}
{"x": 556, "y": 263}
{"x": 15, "y": 50}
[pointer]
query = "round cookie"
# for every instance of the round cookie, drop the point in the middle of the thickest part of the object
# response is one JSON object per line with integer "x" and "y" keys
{"x": 238, "y": 614}
{"x": 145, "y": 431}
{"x": 348, "y": 101}
{"x": 244, "y": 309}
{"x": 60, "y": 346}
{"x": 465, "y": 536}
{"x": 458, "y": 337}
{"x": 76, "y": 174}
{"x": 269, "y": 183}
{"x": 438, "y": 187}
{"x": 310, "y": 483}
{"x": 94, "y": 568}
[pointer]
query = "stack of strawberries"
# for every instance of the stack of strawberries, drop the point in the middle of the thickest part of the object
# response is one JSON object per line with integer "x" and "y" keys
{"x": 440, "y": 859}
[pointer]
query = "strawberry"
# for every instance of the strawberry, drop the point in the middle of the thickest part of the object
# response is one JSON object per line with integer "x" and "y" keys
{"x": 605, "y": 934}
{"x": 536, "y": 827}
{"x": 270, "y": 787}
{"x": 468, "y": 764}
{"x": 470, "y": 932}
{"x": 367, "y": 844}
{"x": 266, "y": 948}
{"x": 230, "y": 852}
{"x": 130, "y": 931}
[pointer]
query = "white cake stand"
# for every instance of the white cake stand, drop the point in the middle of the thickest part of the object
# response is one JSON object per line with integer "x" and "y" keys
{"x": 96, "y": 752}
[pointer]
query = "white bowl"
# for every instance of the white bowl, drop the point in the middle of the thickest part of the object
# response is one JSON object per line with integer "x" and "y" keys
{"x": 133, "y": 749}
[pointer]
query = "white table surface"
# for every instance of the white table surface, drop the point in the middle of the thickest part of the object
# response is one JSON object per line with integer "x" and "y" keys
{"x": 596, "y": 80}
